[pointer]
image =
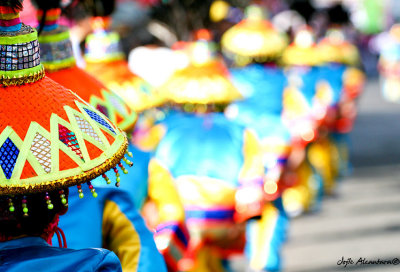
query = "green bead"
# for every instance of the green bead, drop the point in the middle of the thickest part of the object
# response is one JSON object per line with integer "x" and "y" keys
{"x": 108, "y": 181}
{"x": 80, "y": 195}
{"x": 50, "y": 206}
{"x": 63, "y": 201}
{"x": 130, "y": 154}
{"x": 11, "y": 209}
{"x": 25, "y": 210}
{"x": 94, "y": 194}
{"x": 125, "y": 171}
{"x": 118, "y": 179}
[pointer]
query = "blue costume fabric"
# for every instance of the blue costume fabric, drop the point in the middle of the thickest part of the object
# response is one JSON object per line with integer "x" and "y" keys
{"x": 333, "y": 74}
{"x": 215, "y": 133}
{"x": 309, "y": 77}
{"x": 262, "y": 88}
{"x": 267, "y": 255}
{"x": 206, "y": 153}
{"x": 34, "y": 254}
{"x": 85, "y": 227}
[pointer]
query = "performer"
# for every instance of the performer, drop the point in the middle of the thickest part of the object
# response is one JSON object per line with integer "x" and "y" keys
{"x": 115, "y": 222}
{"x": 346, "y": 80}
{"x": 214, "y": 163}
{"x": 106, "y": 61}
{"x": 44, "y": 149}
{"x": 262, "y": 83}
{"x": 306, "y": 100}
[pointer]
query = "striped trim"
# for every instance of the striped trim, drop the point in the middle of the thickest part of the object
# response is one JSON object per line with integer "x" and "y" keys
{"x": 9, "y": 16}
{"x": 215, "y": 214}
{"x": 175, "y": 228}
{"x": 9, "y": 19}
{"x": 6, "y": 10}
{"x": 51, "y": 20}
{"x": 11, "y": 28}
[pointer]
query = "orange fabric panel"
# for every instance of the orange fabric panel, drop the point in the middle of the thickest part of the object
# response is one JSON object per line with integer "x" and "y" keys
{"x": 66, "y": 162}
{"x": 19, "y": 106}
{"x": 79, "y": 81}
{"x": 28, "y": 171}
{"x": 94, "y": 151}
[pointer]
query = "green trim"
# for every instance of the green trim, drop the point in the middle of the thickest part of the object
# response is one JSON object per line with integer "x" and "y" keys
{"x": 58, "y": 65}
{"x": 111, "y": 36}
{"x": 21, "y": 73}
{"x": 54, "y": 37}
{"x": 107, "y": 58}
{"x": 6, "y": 40}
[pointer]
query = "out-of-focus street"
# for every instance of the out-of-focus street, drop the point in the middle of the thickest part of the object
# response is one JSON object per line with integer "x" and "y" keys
{"x": 363, "y": 221}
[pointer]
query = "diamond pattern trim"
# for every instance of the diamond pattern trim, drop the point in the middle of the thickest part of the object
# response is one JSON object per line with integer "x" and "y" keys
{"x": 98, "y": 119}
{"x": 8, "y": 157}
{"x": 87, "y": 128}
{"x": 69, "y": 139}
{"x": 41, "y": 149}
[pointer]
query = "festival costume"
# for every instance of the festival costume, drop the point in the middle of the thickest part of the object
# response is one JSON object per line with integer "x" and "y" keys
{"x": 50, "y": 139}
{"x": 34, "y": 254}
{"x": 214, "y": 163}
{"x": 122, "y": 229}
{"x": 262, "y": 88}
{"x": 306, "y": 100}
{"x": 106, "y": 62}
{"x": 346, "y": 80}
{"x": 113, "y": 223}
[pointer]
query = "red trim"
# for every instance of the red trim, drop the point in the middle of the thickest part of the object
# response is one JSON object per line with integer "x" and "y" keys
{"x": 7, "y": 10}
{"x": 12, "y": 22}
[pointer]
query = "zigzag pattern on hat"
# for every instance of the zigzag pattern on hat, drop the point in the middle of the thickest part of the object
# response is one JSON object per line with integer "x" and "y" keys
{"x": 69, "y": 149}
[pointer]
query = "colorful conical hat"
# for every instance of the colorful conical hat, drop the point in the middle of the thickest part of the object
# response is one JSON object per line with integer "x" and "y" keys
{"x": 49, "y": 137}
{"x": 302, "y": 51}
{"x": 59, "y": 63}
{"x": 253, "y": 38}
{"x": 106, "y": 61}
{"x": 335, "y": 48}
{"x": 204, "y": 81}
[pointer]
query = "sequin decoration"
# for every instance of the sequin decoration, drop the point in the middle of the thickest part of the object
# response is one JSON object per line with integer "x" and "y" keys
{"x": 69, "y": 139}
{"x": 19, "y": 56}
{"x": 41, "y": 149}
{"x": 98, "y": 119}
{"x": 102, "y": 109}
{"x": 8, "y": 157}
{"x": 87, "y": 128}
{"x": 56, "y": 51}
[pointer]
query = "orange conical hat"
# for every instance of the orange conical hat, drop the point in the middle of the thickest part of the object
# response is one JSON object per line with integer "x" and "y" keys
{"x": 303, "y": 51}
{"x": 105, "y": 61}
{"x": 335, "y": 48}
{"x": 59, "y": 63}
{"x": 204, "y": 81}
{"x": 49, "y": 137}
{"x": 253, "y": 38}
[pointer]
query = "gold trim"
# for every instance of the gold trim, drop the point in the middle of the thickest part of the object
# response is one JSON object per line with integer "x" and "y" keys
{"x": 11, "y": 81}
{"x": 70, "y": 181}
